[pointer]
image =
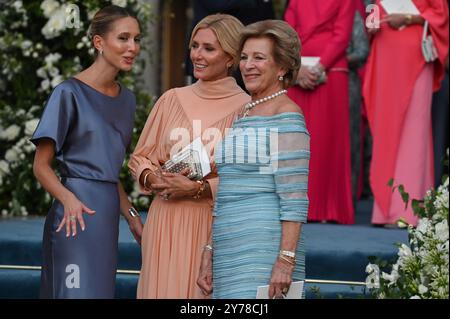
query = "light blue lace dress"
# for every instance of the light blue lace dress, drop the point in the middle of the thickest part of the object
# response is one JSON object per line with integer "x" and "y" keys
{"x": 263, "y": 165}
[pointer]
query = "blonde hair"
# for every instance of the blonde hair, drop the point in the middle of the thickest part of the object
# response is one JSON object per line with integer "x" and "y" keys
{"x": 227, "y": 30}
{"x": 286, "y": 45}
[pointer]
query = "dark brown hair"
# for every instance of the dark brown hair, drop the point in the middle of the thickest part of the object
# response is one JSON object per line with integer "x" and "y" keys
{"x": 104, "y": 19}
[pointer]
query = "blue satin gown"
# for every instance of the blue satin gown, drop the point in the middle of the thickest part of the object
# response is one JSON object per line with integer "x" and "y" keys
{"x": 91, "y": 132}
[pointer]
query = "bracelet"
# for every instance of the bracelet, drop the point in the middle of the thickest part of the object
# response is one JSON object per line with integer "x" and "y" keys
{"x": 408, "y": 19}
{"x": 145, "y": 179}
{"x": 287, "y": 253}
{"x": 133, "y": 212}
{"x": 200, "y": 190}
{"x": 288, "y": 260}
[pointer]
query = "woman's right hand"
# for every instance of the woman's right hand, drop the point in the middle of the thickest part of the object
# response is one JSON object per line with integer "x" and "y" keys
{"x": 306, "y": 78}
{"x": 73, "y": 212}
{"x": 204, "y": 280}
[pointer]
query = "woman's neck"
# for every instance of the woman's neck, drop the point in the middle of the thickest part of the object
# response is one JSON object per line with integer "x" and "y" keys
{"x": 101, "y": 75}
{"x": 266, "y": 92}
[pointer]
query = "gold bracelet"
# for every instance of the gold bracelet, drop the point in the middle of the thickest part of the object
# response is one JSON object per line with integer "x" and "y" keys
{"x": 408, "y": 19}
{"x": 145, "y": 180}
{"x": 200, "y": 190}
{"x": 286, "y": 259}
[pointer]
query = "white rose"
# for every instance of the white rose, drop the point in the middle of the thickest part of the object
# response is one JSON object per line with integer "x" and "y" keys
{"x": 56, "y": 80}
{"x": 11, "y": 155}
{"x": 18, "y": 5}
{"x": 41, "y": 73}
{"x": 415, "y": 297}
{"x": 55, "y": 25}
{"x": 45, "y": 84}
{"x": 4, "y": 167}
{"x": 404, "y": 251}
{"x": 10, "y": 133}
{"x": 442, "y": 231}
{"x": 4, "y": 212}
{"x": 423, "y": 225}
{"x": 53, "y": 71}
{"x": 30, "y": 126}
{"x": 120, "y": 3}
{"x": 422, "y": 289}
{"x": 49, "y": 6}
{"x": 52, "y": 58}
{"x": 25, "y": 45}
{"x": 35, "y": 55}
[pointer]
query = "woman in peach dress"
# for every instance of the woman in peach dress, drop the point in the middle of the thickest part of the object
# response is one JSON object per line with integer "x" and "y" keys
{"x": 179, "y": 217}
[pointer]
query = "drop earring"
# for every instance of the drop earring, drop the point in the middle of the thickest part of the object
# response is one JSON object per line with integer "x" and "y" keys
{"x": 280, "y": 78}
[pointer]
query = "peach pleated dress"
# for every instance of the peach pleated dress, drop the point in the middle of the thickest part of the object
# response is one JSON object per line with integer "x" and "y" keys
{"x": 177, "y": 230}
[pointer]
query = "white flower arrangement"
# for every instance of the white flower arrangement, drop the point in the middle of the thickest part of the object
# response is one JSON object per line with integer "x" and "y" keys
{"x": 421, "y": 270}
{"x": 32, "y": 62}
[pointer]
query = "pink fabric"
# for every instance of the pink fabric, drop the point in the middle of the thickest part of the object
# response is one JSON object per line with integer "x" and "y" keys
{"x": 324, "y": 28}
{"x": 414, "y": 164}
{"x": 327, "y": 119}
{"x": 393, "y": 66}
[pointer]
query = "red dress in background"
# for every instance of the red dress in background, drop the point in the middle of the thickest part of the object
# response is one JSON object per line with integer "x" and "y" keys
{"x": 397, "y": 92}
{"x": 324, "y": 28}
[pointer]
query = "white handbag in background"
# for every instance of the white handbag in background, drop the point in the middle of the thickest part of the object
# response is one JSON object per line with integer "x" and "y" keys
{"x": 428, "y": 49}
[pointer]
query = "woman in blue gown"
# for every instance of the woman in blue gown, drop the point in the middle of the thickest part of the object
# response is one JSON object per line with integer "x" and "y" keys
{"x": 87, "y": 125}
{"x": 263, "y": 167}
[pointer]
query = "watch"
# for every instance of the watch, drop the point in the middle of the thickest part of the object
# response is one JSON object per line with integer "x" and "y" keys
{"x": 133, "y": 212}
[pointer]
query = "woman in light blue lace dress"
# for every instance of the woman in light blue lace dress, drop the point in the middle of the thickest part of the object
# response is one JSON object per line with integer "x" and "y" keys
{"x": 263, "y": 166}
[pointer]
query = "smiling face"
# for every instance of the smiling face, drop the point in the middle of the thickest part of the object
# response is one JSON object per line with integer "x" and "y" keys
{"x": 209, "y": 60}
{"x": 259, "y": 70}
{"x": 121, "y": 44}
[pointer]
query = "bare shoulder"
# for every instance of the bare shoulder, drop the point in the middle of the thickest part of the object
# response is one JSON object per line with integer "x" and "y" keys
{"x": 289, "y": 107}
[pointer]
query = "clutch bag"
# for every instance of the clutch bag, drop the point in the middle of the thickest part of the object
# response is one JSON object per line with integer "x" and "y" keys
{"x": 194, "y": 157}
{"x": 428, "y": 49}
{"x": 295, "y": 291}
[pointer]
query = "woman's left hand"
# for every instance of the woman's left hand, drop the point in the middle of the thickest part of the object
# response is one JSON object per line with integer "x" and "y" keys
{"x": 136, "y": 228}
{"x": 396, "y": 20}
{"x": 281, "y": 279}
{"x": 176, "y": 185}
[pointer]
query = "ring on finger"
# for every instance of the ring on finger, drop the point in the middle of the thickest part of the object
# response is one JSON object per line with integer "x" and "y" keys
{"x": 72, "y": 218}
{"x": 285, "y": 290}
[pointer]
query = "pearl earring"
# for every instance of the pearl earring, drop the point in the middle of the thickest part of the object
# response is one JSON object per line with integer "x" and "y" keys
{"x": 280, "y": 78}
{"x": 101, "y": 52}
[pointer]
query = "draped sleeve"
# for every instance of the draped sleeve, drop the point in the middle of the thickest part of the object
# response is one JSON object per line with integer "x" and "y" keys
{"x": 145, "y": 153}
{"x": 436, "y": 13}
{"x": 291, "y": 169}
{"x": 56, "y": 120}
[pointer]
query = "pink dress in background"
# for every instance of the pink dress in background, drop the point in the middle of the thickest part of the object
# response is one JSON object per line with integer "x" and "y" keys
{"x": 324, "y": 28}
{"x": 177, "y": 230}
{"x": 398, "y": 92}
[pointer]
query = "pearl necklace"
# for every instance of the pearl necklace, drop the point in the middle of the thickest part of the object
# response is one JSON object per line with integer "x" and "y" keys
{"x": 252, "y": 104}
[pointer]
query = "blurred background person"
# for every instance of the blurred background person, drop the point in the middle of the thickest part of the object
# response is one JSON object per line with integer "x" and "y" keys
{"x": 325, "y": 30}
{"x": 398, "y": 91}
{"x": 357, "y": 53}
